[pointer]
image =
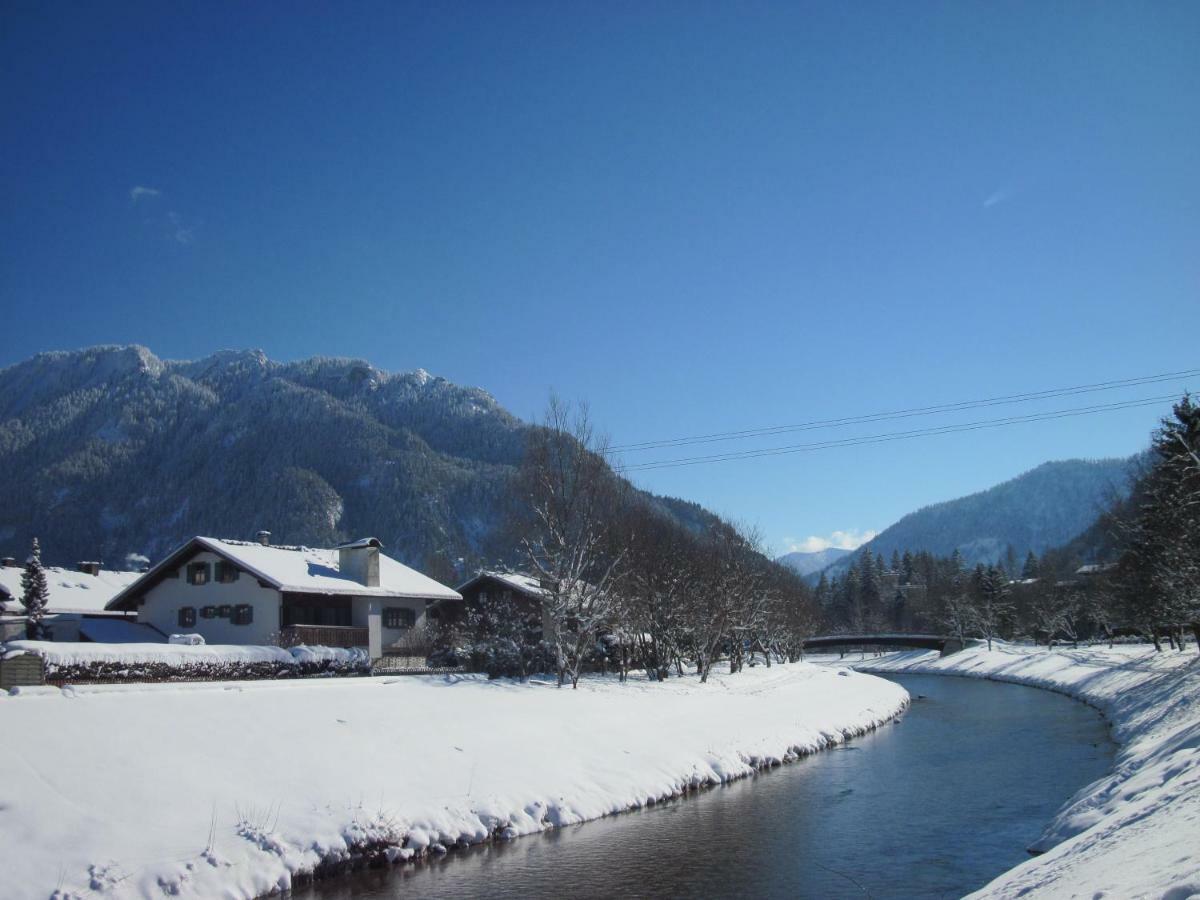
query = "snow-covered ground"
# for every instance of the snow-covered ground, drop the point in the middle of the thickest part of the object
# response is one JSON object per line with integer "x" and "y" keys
{"x": 1135, "y": 833}
{"x": 232, "y": 789}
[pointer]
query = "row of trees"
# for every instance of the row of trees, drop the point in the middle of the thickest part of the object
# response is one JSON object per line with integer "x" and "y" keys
{"x": 627, "y": 584}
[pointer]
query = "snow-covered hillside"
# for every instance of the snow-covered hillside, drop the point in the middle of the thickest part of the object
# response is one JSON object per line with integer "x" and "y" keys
{"x": 231, "y": 790}
{"x": 1135, "y": 833}
{"x": 803, "y": 563}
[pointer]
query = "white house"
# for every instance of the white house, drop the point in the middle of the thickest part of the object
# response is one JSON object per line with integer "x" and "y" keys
{"x": 239, "y": 592}
{"x": 76, "y": 608}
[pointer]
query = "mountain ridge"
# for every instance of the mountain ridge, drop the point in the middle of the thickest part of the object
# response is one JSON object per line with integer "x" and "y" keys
{"x": 1038, "y": 510}
{"x": 109, "y": 451}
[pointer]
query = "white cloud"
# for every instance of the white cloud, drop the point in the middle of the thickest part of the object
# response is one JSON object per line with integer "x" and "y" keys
{"x": 139, "y": 192}
{"x": 843, "y": 540}
{"x": 996, "y": 197}
{"x": 180, "y": 231}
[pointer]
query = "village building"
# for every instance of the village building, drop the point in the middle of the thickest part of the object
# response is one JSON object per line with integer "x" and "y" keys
{"x": 256, "y": 593}
{"x": 76, "y": 608}
{"x": 525, "y": 592}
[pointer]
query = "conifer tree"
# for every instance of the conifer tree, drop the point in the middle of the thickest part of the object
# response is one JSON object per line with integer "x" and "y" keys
{"x": 1030, "y": 569}
{"x": 35, "y": 594}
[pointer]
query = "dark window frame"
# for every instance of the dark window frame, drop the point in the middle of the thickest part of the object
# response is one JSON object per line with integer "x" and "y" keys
{"x": 187, "y": 617}
{"x": 225, "y": 572}
{"x": 196, "y": 568}
{"x": 243, "y": 614}
{"x": 399, "y": 617}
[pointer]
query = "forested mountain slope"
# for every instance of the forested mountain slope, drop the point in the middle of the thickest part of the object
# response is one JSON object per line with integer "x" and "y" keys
{"x": 1043, "y": 508}
{"x": 110, "y": 451}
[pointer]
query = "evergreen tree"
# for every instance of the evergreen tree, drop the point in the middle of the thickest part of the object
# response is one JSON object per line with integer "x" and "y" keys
{"x": 895, "y": 561}
{"x": 1030, "y": 569}
{"x": 35, "y": 594}
{"x": 1010, "y": 561}
{"x": 907, "y": 569}
{"x": 992, "y": 607}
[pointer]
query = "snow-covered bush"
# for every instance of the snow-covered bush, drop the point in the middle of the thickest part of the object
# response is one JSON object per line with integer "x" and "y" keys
{"x": 177, "y": 662}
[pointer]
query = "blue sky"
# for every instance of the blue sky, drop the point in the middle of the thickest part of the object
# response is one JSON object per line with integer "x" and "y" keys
{"x": 695, "y": 216}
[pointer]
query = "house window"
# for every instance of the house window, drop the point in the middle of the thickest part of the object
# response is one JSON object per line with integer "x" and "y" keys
{"x": 226, "y": 572}
{"x": 187, "y": 617}
{"x": 197, "y": 573}
{"x": 399, "y": 617}
{"x": 225, "y": 611}
{"x": 208, "y": 612}
{"x": 243, "y": 614}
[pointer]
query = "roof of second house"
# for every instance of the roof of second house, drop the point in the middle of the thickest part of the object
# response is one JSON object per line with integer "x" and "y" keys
{"x": 299, "y": 570}
{"x": 1096, "y": 568}
{"x": 70, "y": 591}
{"x": 524, "y": 584}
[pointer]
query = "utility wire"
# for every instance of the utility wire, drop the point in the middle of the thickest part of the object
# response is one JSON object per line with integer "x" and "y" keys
{"x": 771, "y": 430}
{"x": 892, "y": 436}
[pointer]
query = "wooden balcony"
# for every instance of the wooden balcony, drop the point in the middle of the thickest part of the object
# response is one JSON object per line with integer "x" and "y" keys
{"x": 323, "y": 636}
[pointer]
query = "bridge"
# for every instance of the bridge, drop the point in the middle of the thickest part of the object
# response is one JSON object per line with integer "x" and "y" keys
{"x": 943, "y": 643}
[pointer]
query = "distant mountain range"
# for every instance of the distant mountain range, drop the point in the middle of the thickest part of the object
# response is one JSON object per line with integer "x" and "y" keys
{"x": 111, "y": 451}
{"x": 807, "y": 563}
{"x": 1042, "y": 509}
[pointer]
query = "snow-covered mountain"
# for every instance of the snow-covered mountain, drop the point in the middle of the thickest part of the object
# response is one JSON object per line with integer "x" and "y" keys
{"x": 110, "y": 450}
{"x": 806, "y": 563}
{"x": 1043, "y": 508}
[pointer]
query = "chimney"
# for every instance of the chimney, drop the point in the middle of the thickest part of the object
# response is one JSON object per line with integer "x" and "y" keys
{"x": 264, "y": 538}
{"x": 360, "y": 560}
{"x": 88, "y": 568}
{"x": 8, "y": 562}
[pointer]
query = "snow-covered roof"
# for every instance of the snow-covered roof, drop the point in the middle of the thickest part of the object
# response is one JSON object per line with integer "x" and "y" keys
{"x": 70, "y": 591}
{"x": 301, "y": 570}
{"x": 1095, "y": 568}
{"x": 526, "y": 584}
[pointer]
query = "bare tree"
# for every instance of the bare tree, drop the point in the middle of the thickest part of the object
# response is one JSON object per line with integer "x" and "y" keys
{"x": 572, "y": 498}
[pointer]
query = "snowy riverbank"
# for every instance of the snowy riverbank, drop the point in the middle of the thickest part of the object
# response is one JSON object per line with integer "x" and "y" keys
{"x": 1135, "y": 833}
{"x": 220, "y": 789}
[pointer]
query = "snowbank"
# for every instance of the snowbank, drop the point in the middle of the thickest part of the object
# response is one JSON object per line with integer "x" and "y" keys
{"x": 235, "y": 790}
{"x": 1136, "y": 832}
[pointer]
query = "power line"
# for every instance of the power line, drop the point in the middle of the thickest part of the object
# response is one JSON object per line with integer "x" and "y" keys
{"x": 771, "y": 430}
{"x": 892, "y": 436}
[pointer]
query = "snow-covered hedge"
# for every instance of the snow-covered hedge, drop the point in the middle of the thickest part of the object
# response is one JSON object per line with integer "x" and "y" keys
{"x": 168, "y": 662}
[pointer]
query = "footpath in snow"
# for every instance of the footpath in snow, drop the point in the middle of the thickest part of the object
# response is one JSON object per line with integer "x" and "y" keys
{"x": 1136, "y": 832}
{"x": 238, "y": 789}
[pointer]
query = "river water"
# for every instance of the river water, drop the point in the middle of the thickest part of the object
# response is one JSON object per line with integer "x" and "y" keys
{"x": 934, "y": 805}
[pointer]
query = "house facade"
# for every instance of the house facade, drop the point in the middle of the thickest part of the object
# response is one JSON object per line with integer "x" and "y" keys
{"x": 253, "y": 592}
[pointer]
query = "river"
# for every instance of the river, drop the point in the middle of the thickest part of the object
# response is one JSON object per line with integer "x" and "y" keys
{"x": 934, "y": 805}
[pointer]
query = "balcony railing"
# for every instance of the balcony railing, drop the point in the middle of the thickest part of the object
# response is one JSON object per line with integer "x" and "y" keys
{"x": 323, "y": 636}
